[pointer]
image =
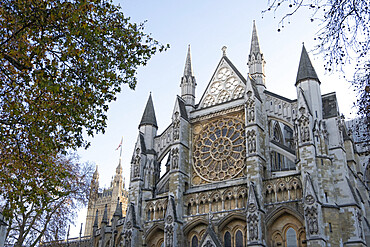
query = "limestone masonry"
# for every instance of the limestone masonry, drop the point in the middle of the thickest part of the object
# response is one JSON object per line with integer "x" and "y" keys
{"x": 244, "y": 167}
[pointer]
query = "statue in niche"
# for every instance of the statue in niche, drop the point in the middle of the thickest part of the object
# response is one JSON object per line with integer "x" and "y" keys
{"x": 251, "y": 141}
{"x": 312, "y": 221}
{"x": 304, "y": 129}
{"x": 253, "y": 227}
{"x": 359, "y": 218}
{"x": 175, "y": 158}
{"x": 250, "y": 111}
{"x": 176, "y": 127}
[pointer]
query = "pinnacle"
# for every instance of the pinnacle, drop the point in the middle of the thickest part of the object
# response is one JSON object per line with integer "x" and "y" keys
{"x": 105, "y": 215}
{"x": 149, "y": 114}
{"x": 255, "y": 46}
{"x": 305, "y": 69}
{"x": 188, "y": 71}
{"x": 96, "y": 218}
{"x": 118, "y": 212}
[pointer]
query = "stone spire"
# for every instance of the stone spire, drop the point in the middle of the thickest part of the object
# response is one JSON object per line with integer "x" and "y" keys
{"x": 105, "y": 215}
{"x": 305, "y": 69}
{"x": 255, "y": 45}
{"x": 188, "y": 71}
{"x": 256, "y": 62}
{"x": 96, "y": 173}
{"x": 149, "y": 114}
{"x": 96, "y": 219}
{"x": 118, "y": 211}
{"x": 188, "y": 82}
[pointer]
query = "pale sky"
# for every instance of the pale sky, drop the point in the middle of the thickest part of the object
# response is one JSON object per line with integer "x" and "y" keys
{"x": 206, "y": 25}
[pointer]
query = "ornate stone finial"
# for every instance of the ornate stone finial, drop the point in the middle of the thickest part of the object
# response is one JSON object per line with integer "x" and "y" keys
{"x": 224, "y": 48}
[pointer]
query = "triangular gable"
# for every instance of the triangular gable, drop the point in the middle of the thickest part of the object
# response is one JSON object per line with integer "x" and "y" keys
{"x": 180, "y": 107}
{"x": 226, "y": 84}
{"x": 251, "y": 87}
{"x": 210, "y": 238}
{"x": 171, "y": 209}
{"x": 310, "y": 196}
{"x": 139, "y": 147}
{"x": 130, "y": 219}
{"x": 252, "y": 202}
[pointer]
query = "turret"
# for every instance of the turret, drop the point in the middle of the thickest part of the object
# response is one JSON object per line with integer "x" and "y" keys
{"x": 256, "y": 62}
{"x": 308, "y": 83}
{"x": 148, "y": 124}
{"x": 188, "y": 83}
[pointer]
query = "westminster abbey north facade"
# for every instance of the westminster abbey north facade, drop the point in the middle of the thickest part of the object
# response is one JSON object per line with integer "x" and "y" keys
{"x": 244, "y": 167}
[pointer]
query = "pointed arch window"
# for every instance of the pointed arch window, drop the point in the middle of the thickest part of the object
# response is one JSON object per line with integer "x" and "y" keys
{"x": 227, "y": 239}
{"x": 291, "y": 238}
{"x": 239, "y": 239}
{"x": 194, "y": 241}
{"x": 278, "y": 136}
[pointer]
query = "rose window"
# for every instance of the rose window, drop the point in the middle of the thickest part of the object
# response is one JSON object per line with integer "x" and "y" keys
{"x": 219, "y": 150}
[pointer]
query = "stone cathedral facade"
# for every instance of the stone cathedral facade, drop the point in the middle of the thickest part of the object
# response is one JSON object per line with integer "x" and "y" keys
{"x": 244, "y": 167}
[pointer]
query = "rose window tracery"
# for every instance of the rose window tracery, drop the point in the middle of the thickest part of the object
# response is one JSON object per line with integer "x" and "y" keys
{"x": 216, "y": 87}
{"x": 223, "y": 73}
{"x": 219, "y": 150}
{"x": 231, "y": 83}
{"x": 209, "y": 100}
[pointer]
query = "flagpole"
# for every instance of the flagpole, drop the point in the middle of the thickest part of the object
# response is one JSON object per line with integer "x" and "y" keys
{"x": 120, "y": 152}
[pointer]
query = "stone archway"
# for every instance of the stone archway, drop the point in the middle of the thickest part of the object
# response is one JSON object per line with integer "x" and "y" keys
{"x": 154, "y": 236}
{"x": 285, "y": 226}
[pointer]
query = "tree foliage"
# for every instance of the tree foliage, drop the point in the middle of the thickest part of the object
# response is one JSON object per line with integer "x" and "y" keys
{"x": 48, "y": 219}
{"x": 343, "y": 37}
{"x": 61, "y": 63}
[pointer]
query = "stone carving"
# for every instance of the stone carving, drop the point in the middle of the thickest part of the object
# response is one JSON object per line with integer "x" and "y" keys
{"x": 169, "y": 235}
{"x": 304, "y": 129}
{"x": 310, "y": 199}
{"x": 252, "y": 208}
{"x": 311, "y": 219}
{"x": 169, "y": 219}
{"x": 137, "y": 164}
{"x": 176, "y": 127}
{"x": 127, "y": 238}
{"x": 252, "y": 221}
{"x": 175, "y": 158}
{"x": 250, "y": 111}
{"x": 208, "y": 244}
{"x": 359, "y": 221}
{"x": 251, "y": 136}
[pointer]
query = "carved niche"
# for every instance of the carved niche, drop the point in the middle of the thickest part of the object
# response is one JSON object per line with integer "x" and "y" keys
{"x": 136, "y": 162}
{"x": 176, "y": 127}
{"x": 175, "y": 158}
